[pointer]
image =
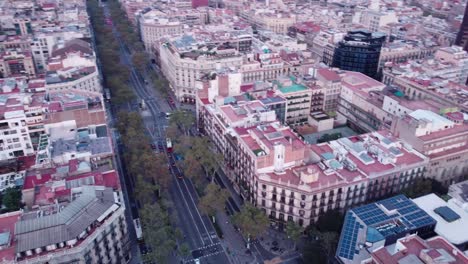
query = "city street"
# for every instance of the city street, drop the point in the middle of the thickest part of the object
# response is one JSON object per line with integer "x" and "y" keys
{"x": 198, "y": 230}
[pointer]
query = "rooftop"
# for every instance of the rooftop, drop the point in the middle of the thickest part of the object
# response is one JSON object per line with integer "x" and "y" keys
{"x": 451, "y": 217}
{"x": 414, "y": 250}
{"x": 372, "y": 223}
{"x": 90, "y": 206}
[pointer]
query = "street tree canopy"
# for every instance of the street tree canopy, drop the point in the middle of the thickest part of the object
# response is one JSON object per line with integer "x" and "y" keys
{"x": 140, "y": 60}
{"x": 251, "y": 220}
{"x": 214, "y": 199}
{"x": 158, "y": 232}
{"x": 183, "y": 119}
{"x": 294, "y": 231}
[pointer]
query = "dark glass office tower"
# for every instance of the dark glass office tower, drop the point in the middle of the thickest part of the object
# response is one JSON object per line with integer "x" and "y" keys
{"x": 359, "y": 51}
{"x": 462, "y": 37}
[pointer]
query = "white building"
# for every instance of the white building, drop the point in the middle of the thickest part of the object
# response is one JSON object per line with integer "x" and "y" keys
{"x": 14, "y": 133}
{"x": 451, "y": 217}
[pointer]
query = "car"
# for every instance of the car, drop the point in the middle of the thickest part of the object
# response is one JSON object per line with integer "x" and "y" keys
{"x": 143, "y": 248}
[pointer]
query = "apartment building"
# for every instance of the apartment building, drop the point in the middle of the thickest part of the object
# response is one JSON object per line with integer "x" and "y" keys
{"x": 156, "y": 24}
{"x": 360, "y": 102}
{"x": 45, "y": 40}
{"x": 330, "y": 81}
{"x": 418, "y": 86}
{"x": 15, "y": 43}
{"x": 441, "y": 138}
{"x": 57, "y": 233}
{"x": 15, "y": 139}
{"x": 16, "y": 63}
{"x": 449, "y": 64}
{"x": 402, "y": 51}
{"x": 183, "y": 65}
{"x": 267, "y": 19}
{"x": 263, "y": 66}
{"x": 83, "y": 107}
{"x": 375, "y": 20}
{"x": 83, "y": 78}
{"x": 456, "y": 56}
{"x": 298, "y": 99}
{"x": 271, "y": 166}
{"x": 341, "y": 179}
{"x": 323, "y": 44}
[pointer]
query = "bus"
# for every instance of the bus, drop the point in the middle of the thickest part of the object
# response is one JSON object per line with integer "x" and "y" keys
{"x": 138, "y": 231}
{"x": 169, "y": 145}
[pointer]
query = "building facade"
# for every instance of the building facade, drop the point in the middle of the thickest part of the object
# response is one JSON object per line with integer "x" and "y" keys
{"x": 359, "y": 51}
{"x": 442, "y": 138}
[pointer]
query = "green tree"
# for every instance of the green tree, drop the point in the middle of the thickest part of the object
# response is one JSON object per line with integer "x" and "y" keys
{"x": 144, "y": 191}
{"x": 214, "y": 199}
{"x": 320, "y": 247}
{"x": 252, "y": 221}
{"x": 157, "y": 232}
{"x": 294, "y": 231}
{"x": 162, "y": 86}
{"x": 184, "y": 250}
{"x": 12, "y": 199}
{"x": 140, "y": 60}
{"x": 183, "y": 119}
{"x": 331, "y": 221}
{"x": 162, "y": 174}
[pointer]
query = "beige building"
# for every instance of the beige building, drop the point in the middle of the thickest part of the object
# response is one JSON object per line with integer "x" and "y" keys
{"x": 289, "y": 180}
{"x": 16, "y": 63}
{"x": 154, "y": 25}
{"x": 330, "y": 82}
{"x": 375, "y": 20}
{"x": 183, "y": 66}
{"x": 262, "y": 19}
{"x": 398, "y": 52}
{"x": 360, "y": 102}
{"x": 444, "y": 139}
{"x": 83, "y": 78}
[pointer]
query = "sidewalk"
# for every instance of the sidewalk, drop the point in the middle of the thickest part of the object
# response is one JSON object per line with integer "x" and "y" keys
{"x": 233, "y": 242}
{"x": 276, "y": 242}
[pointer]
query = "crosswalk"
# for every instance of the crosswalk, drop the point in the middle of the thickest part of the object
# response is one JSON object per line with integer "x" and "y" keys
{"x": 206, "y": 251}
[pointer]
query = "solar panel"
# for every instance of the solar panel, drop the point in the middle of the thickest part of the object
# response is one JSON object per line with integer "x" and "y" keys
{"x": 447, "y": 214}
{"x": 406, "y": 217}
{"x": 347, "y": 244}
